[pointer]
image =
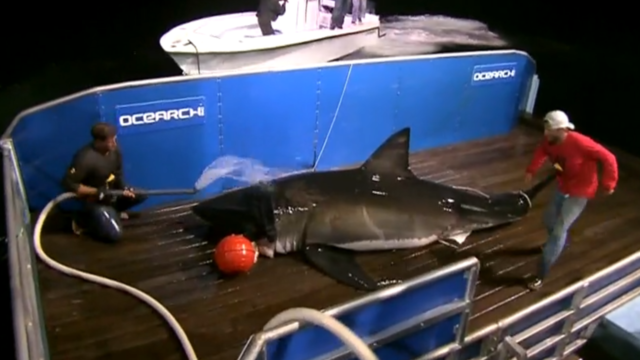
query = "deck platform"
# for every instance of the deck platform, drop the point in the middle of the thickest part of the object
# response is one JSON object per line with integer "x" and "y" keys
{"x": 166, "y": 254}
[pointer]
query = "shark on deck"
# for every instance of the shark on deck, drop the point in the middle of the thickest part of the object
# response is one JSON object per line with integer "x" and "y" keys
{"x": 380, "y": 205}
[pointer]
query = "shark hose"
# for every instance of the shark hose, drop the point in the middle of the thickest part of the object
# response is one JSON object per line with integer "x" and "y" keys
{"x": 165, "y": 192}
{"x": 296, "y": 314}
{"x": 37, "y": 245}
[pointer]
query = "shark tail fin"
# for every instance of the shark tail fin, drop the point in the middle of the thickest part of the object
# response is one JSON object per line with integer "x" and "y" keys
{"x": 533, "y": 191}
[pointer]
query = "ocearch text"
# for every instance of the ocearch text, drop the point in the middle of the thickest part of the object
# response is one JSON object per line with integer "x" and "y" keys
{"x": 491, "y": 75}
{"x": 162, "y": 115}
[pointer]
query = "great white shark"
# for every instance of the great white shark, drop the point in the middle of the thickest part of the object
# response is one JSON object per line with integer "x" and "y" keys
{"x": 380, "y": 205}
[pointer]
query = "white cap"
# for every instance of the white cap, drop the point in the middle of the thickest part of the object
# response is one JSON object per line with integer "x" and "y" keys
{"x": 557, "y": 119}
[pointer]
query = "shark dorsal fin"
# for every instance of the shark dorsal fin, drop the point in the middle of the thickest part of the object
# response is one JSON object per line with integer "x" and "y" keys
{"x": 392, "y": 157}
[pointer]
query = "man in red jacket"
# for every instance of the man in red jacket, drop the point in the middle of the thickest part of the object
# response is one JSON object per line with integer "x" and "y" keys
{"x": 578, "y": 157}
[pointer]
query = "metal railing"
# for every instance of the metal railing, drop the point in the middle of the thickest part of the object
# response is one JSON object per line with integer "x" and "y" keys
{"x": 255, "y": 347}
{"x": 30, "y": 338}
{"x": 496, "y": 343}
{"x": 492, "y": 335}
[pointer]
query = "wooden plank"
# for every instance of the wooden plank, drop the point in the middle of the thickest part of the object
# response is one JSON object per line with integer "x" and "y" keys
{"x": 166, "y": 254}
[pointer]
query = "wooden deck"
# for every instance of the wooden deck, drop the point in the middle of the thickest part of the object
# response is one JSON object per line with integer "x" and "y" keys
{"x": 165, "y": 255}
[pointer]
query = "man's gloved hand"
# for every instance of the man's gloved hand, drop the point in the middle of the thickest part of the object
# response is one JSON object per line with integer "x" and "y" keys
{"x": 128, "y": 192}
{"x": 101, "y": 194}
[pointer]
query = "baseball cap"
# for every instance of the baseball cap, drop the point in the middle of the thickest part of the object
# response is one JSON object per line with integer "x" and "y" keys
{"x": 557, "y": 119}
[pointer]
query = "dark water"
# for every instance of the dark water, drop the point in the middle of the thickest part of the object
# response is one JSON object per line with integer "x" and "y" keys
{"x": 51, "y": 49}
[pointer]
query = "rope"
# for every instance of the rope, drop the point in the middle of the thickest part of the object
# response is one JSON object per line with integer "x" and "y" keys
{"x": 335, "y": 116}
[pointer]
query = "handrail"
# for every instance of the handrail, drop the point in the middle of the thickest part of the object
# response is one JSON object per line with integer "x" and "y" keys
{"x": 28, "y": 323}
{"x": 19, "y": 321}
{"x": 22, "y": 192}
{"x": 549, "y": 300}
{"x": 382, "y": 294}
{"x": 257, "y": 342}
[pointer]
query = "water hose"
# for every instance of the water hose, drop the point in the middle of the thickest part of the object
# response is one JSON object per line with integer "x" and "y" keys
{"x": 153, "y": 303}
{"x": 155, "y": 192}
{"x": 359, "y": 348}
{"x": 329, "y": 323}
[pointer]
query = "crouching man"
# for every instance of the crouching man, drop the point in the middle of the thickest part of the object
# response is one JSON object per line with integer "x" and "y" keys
{"x": 96, "y": 168}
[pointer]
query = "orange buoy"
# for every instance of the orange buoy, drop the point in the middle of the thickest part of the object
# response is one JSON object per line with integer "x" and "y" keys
{"x": 235, "y": 254}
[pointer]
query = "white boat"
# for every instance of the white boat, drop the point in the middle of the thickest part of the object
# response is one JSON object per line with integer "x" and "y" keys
{"x": 234, "y": 41}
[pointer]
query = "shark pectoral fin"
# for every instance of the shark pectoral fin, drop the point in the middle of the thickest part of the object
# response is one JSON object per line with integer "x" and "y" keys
{"x": 340, "y": 265}
{"x": 460, "y": 237}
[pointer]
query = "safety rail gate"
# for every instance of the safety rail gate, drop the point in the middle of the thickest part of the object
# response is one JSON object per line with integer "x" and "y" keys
{"x": 29, "y": 331}
{"x": 424, "y": 318}
{"x": 550, "y": 329}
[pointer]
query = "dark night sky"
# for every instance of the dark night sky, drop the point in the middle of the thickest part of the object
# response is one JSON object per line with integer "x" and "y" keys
{"x": 54, "y": 48}
{"x": 78, "y": 45}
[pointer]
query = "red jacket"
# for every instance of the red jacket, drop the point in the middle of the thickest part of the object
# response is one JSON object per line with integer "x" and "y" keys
{"x": 578, "y": 156}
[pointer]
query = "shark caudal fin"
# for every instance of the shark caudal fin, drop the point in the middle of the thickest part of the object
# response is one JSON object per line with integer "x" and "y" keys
{"x": 392, "y": 157}
{"x": 533, "y": 191}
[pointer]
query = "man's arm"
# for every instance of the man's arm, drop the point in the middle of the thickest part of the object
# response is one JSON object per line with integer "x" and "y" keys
{"x": 119, "y": 175}
{"x": 606, "y": 158}
{"x": 539, "y": 156}
{"x": 75, "y": 175}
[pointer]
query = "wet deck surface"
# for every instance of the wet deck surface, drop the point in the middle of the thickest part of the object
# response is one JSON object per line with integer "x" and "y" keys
{"x": 160, "y": 257}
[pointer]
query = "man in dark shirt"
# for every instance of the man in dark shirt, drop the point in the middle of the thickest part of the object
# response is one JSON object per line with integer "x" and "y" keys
{"x": 269, "y": 11}
{"x": 96, "y": 168}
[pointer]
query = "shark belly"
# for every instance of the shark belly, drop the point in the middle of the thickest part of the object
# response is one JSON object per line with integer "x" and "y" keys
{"x": 282, "y": 246}
{"x": 360, "y": 227}
{"x": 387, "y": 244}
{"x": 290, "y": 224}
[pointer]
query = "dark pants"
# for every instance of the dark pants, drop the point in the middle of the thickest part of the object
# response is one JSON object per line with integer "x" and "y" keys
{"x": 101, "y": 221}
{"x": 265, "y": 25}
{"x": 339, "y": 11}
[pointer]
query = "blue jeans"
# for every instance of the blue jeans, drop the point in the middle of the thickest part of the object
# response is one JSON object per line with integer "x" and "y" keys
{"x": 101, "y": 221}
{"x": 558, "y": 218}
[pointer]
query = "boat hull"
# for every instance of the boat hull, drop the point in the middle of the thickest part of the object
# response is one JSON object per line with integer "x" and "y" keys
{"x": 298, "y": 54}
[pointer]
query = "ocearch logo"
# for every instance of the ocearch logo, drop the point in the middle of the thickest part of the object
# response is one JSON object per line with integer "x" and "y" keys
{"x": 496, "y": 72}
{"x": 161, "y": 115}
{"x": 490, "y": 75}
